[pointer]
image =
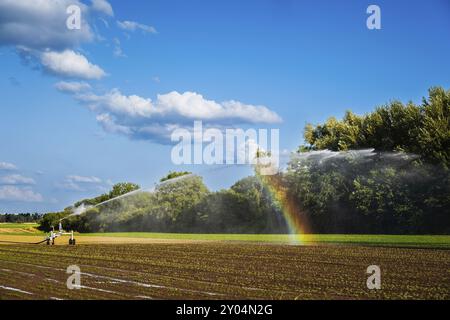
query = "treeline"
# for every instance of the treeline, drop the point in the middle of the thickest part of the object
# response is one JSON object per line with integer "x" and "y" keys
{"x": 362, "y": 192}
{"x": 383, "y": 172}
{"x": 370, "y": 192}
{"x": 422, "y": 129}
{"x": 20, "y": 217}
{"x": 186, "y": 205}
{"x": 117, "y": 190}
{"x": 383, "y": 192}
{"x": 51, "y": 219}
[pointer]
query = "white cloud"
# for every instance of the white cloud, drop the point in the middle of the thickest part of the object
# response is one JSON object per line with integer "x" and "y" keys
{"x": 103, "y": 6}
{"x": 117, "y": 103}
{"x": 142, "y": 118}
{"x": 118, "y": 49}
{"x": 70, "y": 64}
{"x": 72, "y": 87}
{"x": 109, "y": 125}
{"x": 194, "y": 106}
{"x": 40, "y": 24}
{"x": 37, "y": 28}
{"x": 176, "y": 107}
{"x": 91, "y": 179}
{"x": 22, "y": 194}
{"x": 14, "y": 179}
{"x": 133, "y": 26}
{"x": 7, "y": 166}
{"x": 79, "y": 183}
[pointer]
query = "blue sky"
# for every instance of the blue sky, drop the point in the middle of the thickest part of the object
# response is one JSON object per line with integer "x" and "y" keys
{"x": 70, "y": 131}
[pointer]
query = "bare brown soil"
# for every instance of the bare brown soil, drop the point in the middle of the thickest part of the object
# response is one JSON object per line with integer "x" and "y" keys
{"x": 221, "y": 270}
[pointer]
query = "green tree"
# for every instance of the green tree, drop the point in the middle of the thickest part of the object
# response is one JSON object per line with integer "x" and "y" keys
{"x": 434, "y": 133}
{"x": 51, "y": 219}
{"x": 122, "y": 188}
{"x": 174, "y": 174}
{"x": 421, "y": 129}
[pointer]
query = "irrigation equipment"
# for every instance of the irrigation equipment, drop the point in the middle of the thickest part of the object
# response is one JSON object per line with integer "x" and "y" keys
{"x": 50, "y": 239}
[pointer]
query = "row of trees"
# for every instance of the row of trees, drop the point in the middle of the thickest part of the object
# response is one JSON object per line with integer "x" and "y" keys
{"x": 117, "y": 190}
{"x": 404, "y": 192}
{"x": 185, "y": 205}
{"x": 400, "y": 185}
{"x": 423, "y": 129}
{"x": 51, "y": 219}
{"x": 371, "y": 192}
{"x": 20, "y": 217}
{"x": 363, "y": 192}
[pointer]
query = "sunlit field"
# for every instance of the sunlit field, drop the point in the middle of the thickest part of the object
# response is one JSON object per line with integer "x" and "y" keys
{"x": 222, "y": 266}
{"x": 221, "y": 270}
{"x": 28, "y": 232}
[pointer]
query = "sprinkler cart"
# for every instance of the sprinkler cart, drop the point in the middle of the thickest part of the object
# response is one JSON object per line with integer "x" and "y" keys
{"x": 53, "y": 235}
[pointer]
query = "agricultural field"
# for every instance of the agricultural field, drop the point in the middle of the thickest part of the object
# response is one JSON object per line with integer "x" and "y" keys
{"x": 218, "y": 270}
{"x": 19, "y": 228}
{"x": 28, "y": 232}
{"x": 164, "y": 266}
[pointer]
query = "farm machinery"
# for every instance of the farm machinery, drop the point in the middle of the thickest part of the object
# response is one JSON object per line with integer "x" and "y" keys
{"x": 50, "y": 239}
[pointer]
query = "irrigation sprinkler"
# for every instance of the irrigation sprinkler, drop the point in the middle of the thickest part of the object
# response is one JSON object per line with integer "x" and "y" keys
{"x": 50, "y": 239}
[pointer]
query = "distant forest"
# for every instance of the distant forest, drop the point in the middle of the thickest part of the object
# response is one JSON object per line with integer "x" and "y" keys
{"x": 20, "y": 217}
{"x": 333, "y": 182}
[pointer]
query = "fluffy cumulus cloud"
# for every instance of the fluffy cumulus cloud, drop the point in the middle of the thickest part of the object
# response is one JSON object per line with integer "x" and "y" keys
{"x": 41, "y": 24}
{"x": 177, "y": 107}
{"x": 102, "y": 6}
{"x": 37, "y": 28}
{"x": 20, "y": 194}
{"x": 192, "y": 105}
{"x": 109, "y": 124}
{"x": 133, "y": 26}
{"x": 7, "y": 166}
{"x": 16, "y": 179}
{"x": 70, "y": 64}
{"x": 143, "y": 118}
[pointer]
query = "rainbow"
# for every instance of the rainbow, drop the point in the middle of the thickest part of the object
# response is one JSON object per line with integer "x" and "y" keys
{"x": 293, "y": 215}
